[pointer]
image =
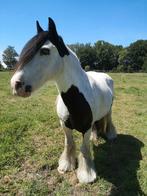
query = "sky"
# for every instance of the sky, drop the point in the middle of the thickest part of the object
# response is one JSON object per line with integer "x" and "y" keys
{"x": 119, "y": 22}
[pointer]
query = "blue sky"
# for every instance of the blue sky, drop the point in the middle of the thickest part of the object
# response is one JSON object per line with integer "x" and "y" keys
{"x": 115, "y": 21}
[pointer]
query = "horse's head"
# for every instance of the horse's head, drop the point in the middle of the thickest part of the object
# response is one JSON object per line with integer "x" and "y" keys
{"x": 40, "y": 60}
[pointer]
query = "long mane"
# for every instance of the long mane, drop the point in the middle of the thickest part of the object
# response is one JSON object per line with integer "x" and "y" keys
{"x": 32, "y": 47}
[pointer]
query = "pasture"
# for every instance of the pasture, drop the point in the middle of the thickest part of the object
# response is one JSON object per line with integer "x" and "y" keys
{"x": 31, "y": 142}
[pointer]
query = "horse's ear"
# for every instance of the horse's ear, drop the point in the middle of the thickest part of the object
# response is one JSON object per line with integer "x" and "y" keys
{"x": 39, "y": 29}
{"x": 56, "y": 39}
{"x": 52, "y": 29}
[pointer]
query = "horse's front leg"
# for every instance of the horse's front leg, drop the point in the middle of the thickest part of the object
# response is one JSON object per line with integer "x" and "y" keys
{"x": 86, "y": 172}
{"x": 67, "y": 159}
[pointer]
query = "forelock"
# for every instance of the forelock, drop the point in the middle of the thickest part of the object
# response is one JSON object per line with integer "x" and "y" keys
{"x": 32, "y": 47}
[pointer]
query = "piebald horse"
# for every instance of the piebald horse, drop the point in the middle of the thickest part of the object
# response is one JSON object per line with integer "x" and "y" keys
{"x": 84, "y": 101}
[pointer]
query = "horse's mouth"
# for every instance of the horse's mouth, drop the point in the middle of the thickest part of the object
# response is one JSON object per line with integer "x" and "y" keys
{"x": 22, "y": 93}
{"x": 26, "y": 94}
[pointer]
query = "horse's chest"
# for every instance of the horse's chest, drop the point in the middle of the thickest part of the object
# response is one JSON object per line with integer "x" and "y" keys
{"x": 80, "y": 114}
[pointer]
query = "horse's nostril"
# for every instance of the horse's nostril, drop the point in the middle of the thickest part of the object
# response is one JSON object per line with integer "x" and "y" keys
{"x": 28, "y": 88}
{"x": 18, "y": 85}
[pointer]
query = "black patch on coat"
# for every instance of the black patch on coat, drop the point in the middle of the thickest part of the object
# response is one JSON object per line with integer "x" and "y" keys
{"x": 80, "y": 114}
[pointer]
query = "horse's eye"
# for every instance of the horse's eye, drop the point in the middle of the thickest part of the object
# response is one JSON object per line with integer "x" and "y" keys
{"x": 44, "y": 51}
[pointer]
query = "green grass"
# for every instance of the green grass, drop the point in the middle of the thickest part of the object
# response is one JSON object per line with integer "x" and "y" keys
{"x": 31, "y": 142}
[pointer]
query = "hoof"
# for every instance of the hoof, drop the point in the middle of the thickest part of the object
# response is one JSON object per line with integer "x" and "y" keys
{"x": 65, "y": 165}
{"x": 86, "y": 176}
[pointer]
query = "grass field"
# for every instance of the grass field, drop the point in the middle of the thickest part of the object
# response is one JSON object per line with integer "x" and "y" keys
{"x": 31, "y": 142}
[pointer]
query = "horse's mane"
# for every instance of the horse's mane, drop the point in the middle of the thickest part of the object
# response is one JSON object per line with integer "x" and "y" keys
{"x": 32, "y": 47}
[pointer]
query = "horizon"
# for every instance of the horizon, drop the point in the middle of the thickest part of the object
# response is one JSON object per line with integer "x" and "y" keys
{"x": 116, "y": 22}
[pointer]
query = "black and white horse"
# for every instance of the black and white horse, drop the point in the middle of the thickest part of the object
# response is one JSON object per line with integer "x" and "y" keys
{"x": 84, "y": 101}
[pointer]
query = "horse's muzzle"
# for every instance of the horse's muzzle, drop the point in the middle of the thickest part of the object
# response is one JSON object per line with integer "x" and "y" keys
{"x": 22, "y": 90}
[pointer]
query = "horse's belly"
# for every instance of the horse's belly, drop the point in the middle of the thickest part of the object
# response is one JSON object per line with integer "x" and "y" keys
{"x": 102, "y": 106}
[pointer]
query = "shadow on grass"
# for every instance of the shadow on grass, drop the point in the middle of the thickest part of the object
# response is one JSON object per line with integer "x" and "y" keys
{"x": 118, "y": 163}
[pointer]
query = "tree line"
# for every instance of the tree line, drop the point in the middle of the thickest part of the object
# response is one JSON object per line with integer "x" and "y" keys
{"x": 101, "y": 56}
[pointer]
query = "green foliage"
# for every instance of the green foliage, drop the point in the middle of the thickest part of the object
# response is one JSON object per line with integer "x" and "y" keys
{"x": 104, "y": 56}
{"x": 9, "y": 56}
{"x": 136, "y": 54}
{"x": 144, "y": 66}
{"x": 107, "y": 55}
{"x": 86, "y": 54}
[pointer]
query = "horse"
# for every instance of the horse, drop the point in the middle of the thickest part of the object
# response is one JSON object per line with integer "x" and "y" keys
{"x": 85, "y": 98}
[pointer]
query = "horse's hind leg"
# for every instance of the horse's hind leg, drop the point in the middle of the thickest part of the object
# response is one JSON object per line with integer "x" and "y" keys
{"x": 67, "y": 159}
{"x": 110, "y": 129}
{"x": 99, "y": 129}
{"x": 104, "y": 128}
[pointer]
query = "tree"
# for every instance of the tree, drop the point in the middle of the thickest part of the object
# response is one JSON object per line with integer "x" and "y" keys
{"x": 9, "y": 56}
{"x": 76, "y": 47}
{"x": 86, "y": 54}
{"x": 107, "y": 55}
{"x": 137, "y": 53}
{"x": 123, "y": 60}
{"x": 144, "y": 66}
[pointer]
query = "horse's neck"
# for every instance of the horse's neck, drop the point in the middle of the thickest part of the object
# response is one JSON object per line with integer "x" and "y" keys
{"x": 72, "y": 74}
